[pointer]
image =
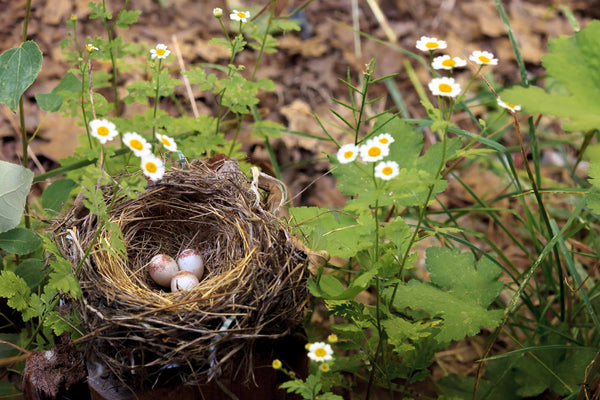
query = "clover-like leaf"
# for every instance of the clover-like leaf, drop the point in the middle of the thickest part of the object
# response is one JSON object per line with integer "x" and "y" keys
{"x": 459, "y": 293}
{"x": 573, "y": 62}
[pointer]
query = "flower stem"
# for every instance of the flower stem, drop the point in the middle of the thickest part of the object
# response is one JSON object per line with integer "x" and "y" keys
{"x": 24, "y": 138}
{"x": 156, "y": 97}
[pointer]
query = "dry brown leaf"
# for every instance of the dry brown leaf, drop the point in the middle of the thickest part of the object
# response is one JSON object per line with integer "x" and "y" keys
{"x": 313, "y": 47}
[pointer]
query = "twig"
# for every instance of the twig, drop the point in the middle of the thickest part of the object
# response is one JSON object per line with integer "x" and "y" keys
{"x": 186, "y": 82}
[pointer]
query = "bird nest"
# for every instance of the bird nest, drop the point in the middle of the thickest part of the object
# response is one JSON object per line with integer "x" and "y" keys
{"x": 253, "y": 287}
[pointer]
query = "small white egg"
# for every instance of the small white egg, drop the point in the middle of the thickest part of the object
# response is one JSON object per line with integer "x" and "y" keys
{"x": 190, "y": 260}
{"x": 162, "y": 269}
{"x": 184, "y": 280}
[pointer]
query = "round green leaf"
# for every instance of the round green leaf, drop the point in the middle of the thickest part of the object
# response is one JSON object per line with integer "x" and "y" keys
{"x": 20, "y": 241}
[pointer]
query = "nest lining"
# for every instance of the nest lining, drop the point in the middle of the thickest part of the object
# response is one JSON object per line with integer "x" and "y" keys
{"x": 254, "y": 284}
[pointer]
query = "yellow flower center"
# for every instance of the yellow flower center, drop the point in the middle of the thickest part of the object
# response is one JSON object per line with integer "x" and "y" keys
{"x": 449, "y": 63}
{"x": 151, "y": 167}
{"x": 90, "y": 47}
{"x": 136, "y": 144}
{"x": 374, "y": 151}
{"x": 431, "y": 45}
{"x": 387, "y": 170}
{"x": 510, "y": 105}
{"x": 102, "y": 131}
{"x": 241, "y": 14}
{"x": 484, "y": 59}
{"x": 320, "y": 352}
{"x": 445, "y": 88}
{"x": 165, "y": 141}
{"x": 348, "y": 154}
{"x": 160, "y": 52}
{"x": 383, "y": 140}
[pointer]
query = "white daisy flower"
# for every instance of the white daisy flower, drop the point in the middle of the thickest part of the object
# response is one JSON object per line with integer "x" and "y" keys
{"x": 373, "y": 151}
{"x": 510, "y": 107}
{"x": 218, "y": 12}
{"x": 386, "y": 170}
{"x": 483, "y": 58}
{"x": 103, "y": 130}
{"x": 447, "y": 62}
{"x": 320, "y": 351}
{"x": 90, "y": 47}
{"x": 160, "y": 51}
{"x": 167, "y": 142}
{"x": 153, "y": 167}
{"x": 239, "y": 15}
{"x": 430, "y": 44}
{"x": 136, "y": 143}
{"x": 444, "y": 87}
{"x": 347, "y": 153}
{"x": 384, "y": 138}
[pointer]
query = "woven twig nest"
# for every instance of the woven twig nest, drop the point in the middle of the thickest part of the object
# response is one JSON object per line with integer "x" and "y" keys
{"x": 254, "y": 284}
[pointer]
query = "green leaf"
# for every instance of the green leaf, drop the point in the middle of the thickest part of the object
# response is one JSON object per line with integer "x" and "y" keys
{"x": 459, "y": 293}
{"x": 573, "y": 62}
{"x": 20, "y": 241}
{"x": 15, "y": 290}
{"x": 16, "y": 182}
{"x": 62, "y": 278}
{"x": 32, "y": 271}
{"x": 52, "y": 101}
{"x": 297, "y": 386}
{"x": 19, "y": 67}
{"x": 339, "y": 233}
{"x": 329, "y": 287}
{"x": 56, "y": 195}
{"x": 126, "y": 18}
{"x": 403, "y": 333}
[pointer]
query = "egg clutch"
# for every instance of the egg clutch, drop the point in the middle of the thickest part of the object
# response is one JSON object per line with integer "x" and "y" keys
{"x": 183, "y": 274}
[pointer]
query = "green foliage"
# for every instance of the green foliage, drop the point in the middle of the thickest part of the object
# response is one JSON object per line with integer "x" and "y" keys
{"x": 18, "y": 69}
{"x": 459, "y": 293}
{"x": 309, "y": 389}
{"x": 340, "y": 233}
{"x": 16, "y": 182}
{"x": 57, "y": 194}
{"x": 51, "y": 102}
{"x": 574, "y": 63}
{"x": 20, "y": 241}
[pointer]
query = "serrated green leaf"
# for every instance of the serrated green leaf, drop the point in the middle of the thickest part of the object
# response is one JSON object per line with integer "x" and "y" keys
{"x": 126, "y": 18}
{"x": 15, "y": 183}
{"x": 403, "y": 333}
{"x": 573, "y": 62}
{"x": 52, "y": 101}
{"x": 19, "y": 67}
{"x": 459, "y": 293}
{"x": 340, "y": 234}
{"x": 454, "y": 271}
{"x": 62, "y": 278}
{"x": 20, "y": 241}
{"x": 15, "y": 290}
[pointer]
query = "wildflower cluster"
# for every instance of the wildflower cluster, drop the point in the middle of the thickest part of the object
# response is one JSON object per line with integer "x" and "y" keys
{"x": 447, "y": 86}
{"x": 375, "y": 149}
{"x": 152, "y": 166}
